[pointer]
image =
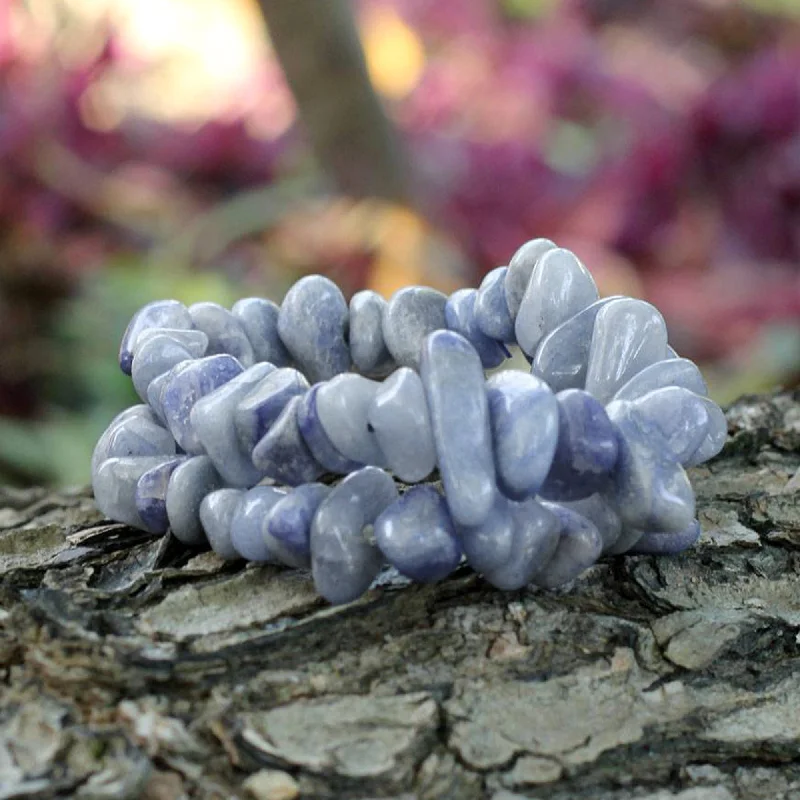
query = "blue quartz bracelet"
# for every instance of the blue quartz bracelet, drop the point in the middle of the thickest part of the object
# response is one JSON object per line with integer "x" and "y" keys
{"x": 246, "y": 411}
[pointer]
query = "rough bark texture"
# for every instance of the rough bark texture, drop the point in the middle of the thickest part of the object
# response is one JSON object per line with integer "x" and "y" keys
{"x": 133, "y": 668}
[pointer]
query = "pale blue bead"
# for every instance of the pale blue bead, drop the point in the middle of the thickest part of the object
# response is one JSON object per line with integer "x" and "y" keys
{"x": 624, "y": 542}
{"x": 249, "y": 523}
{"x": 488, "y": 546}
{"x": 259, "y": 319}
{"x": 226, "y": 336}
{"x": 114, "y": 486}
{"x": 344, "y": 561}
{"x": 134, "y": 432}
{"x": 650, "y": 489}
{"x": 669, "y": 372}
{"x": 313, "y": 323}
{"x": 154, "y": 390}
{"x": 533, "y": 544}
{"x": 491, "y": 308}
{"x": 189, "y": 483}
{"x": 257, "y": 412}
{"x": 599, "y": 510}
{"x": 196, "y": 342}
{"x": 316, "y": 437}
{"x": 520, "y": 269}
{"x": 159, "y": 314}
{"x": 216, "y": 514}
{"x": 579, "y": 546}
{"x": 454, "y": 385}
{"x": 716, "y": 435}
{"x": 342, "y": 406}
{"x": 151, "y": 495}
{"x": 562, "y": 357}
{"x": 399, "y": 416}
{"x": 560, "y": 287}
{"x": 214, "y": 424}
{"x": 629, "y": 335}
{"x": 412, "y": 313}
{"x": 524, "y": 420}
{"x": 188, "y": 384}
{"x": 459, "y": 314}
{"x": 282, "y": 454}
{"x": 157, "y": 356}
{"x": 662, "y": 544}
{"x": 417, "y": 535}
{"x": 367, "y": 347}
{"x": 290, "y": 520}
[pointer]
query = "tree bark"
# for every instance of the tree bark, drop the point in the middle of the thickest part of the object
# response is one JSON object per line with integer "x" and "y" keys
{"x": 132, "y": 667}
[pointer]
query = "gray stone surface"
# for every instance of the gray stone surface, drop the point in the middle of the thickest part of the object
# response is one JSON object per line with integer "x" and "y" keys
{"x": 134, "y": 667}
{"x": 411, "y": 315}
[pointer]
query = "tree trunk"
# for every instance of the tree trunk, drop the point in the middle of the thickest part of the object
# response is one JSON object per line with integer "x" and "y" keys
{"x": 134, "y": 668}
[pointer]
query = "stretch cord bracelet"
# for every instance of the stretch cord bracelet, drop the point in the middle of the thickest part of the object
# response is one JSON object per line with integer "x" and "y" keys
{"x": 542, "y": 472}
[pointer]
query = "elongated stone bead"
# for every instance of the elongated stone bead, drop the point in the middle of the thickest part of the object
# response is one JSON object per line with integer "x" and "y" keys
{"x": 312, "y": 323}
{"x": 344, "y": 561}
{"x": 134, "y": 432}
{"x": 669, "y": 372}
{"x": 226, "y": 336}
{"x": 216, "y": 514}
{"x": 159, "y": 314}
{"x": 524, "y": 422}
{"x": 158, "y": 355}
{"x": 342, "y": 405}
{"x": 412, "y": 313}
{"x": 417, "y": 535}
{"x": 488, "y": 546}
{"x": 629, "y": 335}
{"x": 196, "y": 342}
{"x": 662, "y": 544}
{"x": 259, "y": 319}
{"x": 560, "y": 287}
{"x": 459, "y": 314}
{"x": 453, "y": 379}
{"x": 316, "y": 437}
{"x": 367, "y": 347}
{"x": 290, "y": 520}
{"x": 282, "y": 454}
{"x": 716, "y": 435}
{"x": 151, "y": 495}
{"x": 520, "y": 269}
{"x": 154, "y": 390}
{"x": 579, "y": 546}
{"x": 249, "y": 534}
{"x": 491, "y": 308}
{"x": 189, "y": 483}
{"x": 214, "y": 424}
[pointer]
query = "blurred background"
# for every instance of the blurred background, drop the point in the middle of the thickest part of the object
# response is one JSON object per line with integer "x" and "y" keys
{"x": 213, "y": 149}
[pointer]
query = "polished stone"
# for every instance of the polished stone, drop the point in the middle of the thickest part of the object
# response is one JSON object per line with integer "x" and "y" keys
{"x": 629, "y": 335}
{"x": 344, "y": 561}
{"x": 399, "y": 417}
{"x": 282, "y": 454}
{"x": 342, "y": 406}
{"x": 416, "y": 534}
{"x": 520, "y": 269}
{"x": 154, "y": 390}
{"x": 459, "y": 314}
{"x": 290, "y": 520}
{"x": 524, "y": 422}
{"x": 316, "y": 437}
{"x": 256, "y": 413}
{"x": 226, "y": 335}
{"x": 259, "y": 319}
{"x": 579, "y": 546}
{"x": 159, "y": 314}
{"x": 560, "y": 287}
{"x": 196, "y": 342}
{"x": 669, "y": 372}
{"x": 367, "y": 347}
{"x": 190, "y": 482}
{"x": 313, "y": 323}
{"x": 412, "y": 313}
{"x": 216, "y": 514}
{"x": 491, "y": 308}
{"x": 488, "y": 546}
{"x": 586, "y": 451}
{"x": 716, "y": 435}
{"x": 151, "y": 495}
{"x": 664, "y": 544}
{"x": 214, "y": 424}
{"x": 157, "y": 356}
{"x": 188, "y": 384}
{"x": 454, "y": 385}
{"x": 249, "y": 523}
{"x": 599, "y": 510}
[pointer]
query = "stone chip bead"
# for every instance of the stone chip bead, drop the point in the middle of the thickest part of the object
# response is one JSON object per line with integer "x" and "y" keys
{"x": 151, "y": 495}
{"x": 190, "y": 482}
{"x": 290, "y": 520}
{"x": 412, "y": 313}
{"x": 159, "y": 314}
{"x": 248, "y": 527}
{"x": 491, "y": 307}
{"x": 216, "y": 514}
{"x": 459, "y": 314}
{"x": 579, "y": 546}
{"x": 520, "y": 269}
{"x": 367, "y": 346}
{"x": 226, "y": 335}
{"x": 259, "y": 319}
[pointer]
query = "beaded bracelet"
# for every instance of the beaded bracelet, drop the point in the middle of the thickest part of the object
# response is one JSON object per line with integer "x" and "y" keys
{"x": 246, "y": 410}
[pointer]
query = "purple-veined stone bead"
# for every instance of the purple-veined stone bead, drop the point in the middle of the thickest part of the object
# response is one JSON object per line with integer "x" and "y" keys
{"x": 488, "y": 546}
{"x": 154, "y": 390}
{"x": 454, "y": 385}
{"x": 664, "y": 544}
{"x": 316, "y": 437}
{"x": 226, "y": 335}
{"x": 282, "y": 453}
{"x": 412, "y": 313}
{"x": 520, "y": 269}
{"x": 344, "y": 561}
{"x": 259, "y": 319}
{"x": 196, "y": 342}
{"x": 134, "y": 432}
{"x": 186, "y": 387}
{"x": 669, "y": 372}
{"x": 367, "y": 346}
{"x": 599, "y": 510}
{"x": 189, "y": 483}
{"x": 459, "y": 314}
{"x": 491, "y": 308}
{"x": 157, "y": 356}
{"x": 524, "y": 420}
{"x": 586, "y": 451}
{"x": 579, "y": 546}
{"x": 249, "y": 523}
{"x": 290, "y": 520}
{"x": 417, "y": 535}
{"x": 312, "y": 323}
{"x": 216, "y": 514}
{"x": 151, "y": 495}
{"x": 159, "y": 314}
